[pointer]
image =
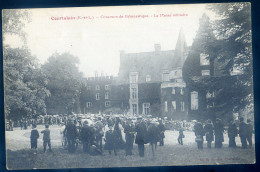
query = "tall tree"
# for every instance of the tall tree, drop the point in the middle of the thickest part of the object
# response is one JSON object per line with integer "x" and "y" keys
{"x": 64, "y": 83}
{"x": 24, "y": 82}
{"x": 227, "y": 42}
{"x": 24, "y": 85}
{"x": 14, "y": 21}
{"x": 233, "y": 28}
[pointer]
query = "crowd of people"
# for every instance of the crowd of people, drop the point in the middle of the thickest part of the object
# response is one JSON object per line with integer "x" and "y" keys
{"x": 118, "y": 133}
{"x": 244, "y": 131}
{"x": 98, "y": 133}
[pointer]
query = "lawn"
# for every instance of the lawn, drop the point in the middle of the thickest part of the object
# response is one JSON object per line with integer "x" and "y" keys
{"x": 19, "y": 156}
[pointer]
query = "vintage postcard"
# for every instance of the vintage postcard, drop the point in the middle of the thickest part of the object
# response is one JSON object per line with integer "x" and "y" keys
{"x": 128, "y": 86}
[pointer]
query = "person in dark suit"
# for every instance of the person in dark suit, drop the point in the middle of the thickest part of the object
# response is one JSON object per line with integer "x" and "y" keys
{"x": 71, "y": 134}
{"x": 208, "y": 128}
{"x": 34, "y": 137}
{"x": 232, "y": 134}
{"x": 118, "y": 139}
{"x": 162, "y": 130}
{"x": 249, "y": 133}
{"x": 109, "y": 140}
{"x": 141, "y": 136}
{"x": 219, "y": 137}
{"x": 153, "y": 135}
{"x": 243, "y": 132}
{"x": 86, "y": 136}
{"x": 129, "y": 136}
{"x": 46, "y": 138}
{"x": 99, "y": 135}
{"x": 181, "y": 136}
{"x": 199, "y": 133}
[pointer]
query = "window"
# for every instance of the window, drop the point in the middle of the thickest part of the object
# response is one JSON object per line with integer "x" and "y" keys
{"x": 174, "y": 105}
{"x": 97, "y": 87}
{"x": 205, "y": 72}
{"x": 148, "y": 78}
{"x": 107, "y": 87}
{"x": 134, "y": 93}
{"x": 165, "y": 77}
{"x": 134, "y": 106}
{"x": 181, "y": 91}
{"x": 107, "y": 95}
{"x": 133, "y": 79}
{"x": 88, "y": 87}
{"x": 165, "y": 106}
{"x": 182, "y": 106}
{"x": 173, "y": 90}
{"x": 194, "y": 100}
{"x": 97, "y": 96}
{"x": 89, "y": 104}
{"x": 204, "y": 59}
{"x": 146, "y": 108}
{"x": 107, "y": 104}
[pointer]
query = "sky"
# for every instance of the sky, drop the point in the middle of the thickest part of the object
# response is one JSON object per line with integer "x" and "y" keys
{"x": 96, "y": 36}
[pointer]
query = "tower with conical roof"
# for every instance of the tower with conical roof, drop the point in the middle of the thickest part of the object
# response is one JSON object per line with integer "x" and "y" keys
{"x": 180, "y": 49}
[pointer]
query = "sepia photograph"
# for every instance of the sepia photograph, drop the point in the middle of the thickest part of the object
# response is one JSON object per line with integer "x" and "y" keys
{"x": 128, "y": 86}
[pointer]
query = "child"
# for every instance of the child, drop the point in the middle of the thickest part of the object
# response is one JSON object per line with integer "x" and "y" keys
{"x": 34, "y": 136}
{"x": 181, "y": 135}
{"x": 46, "y": 138}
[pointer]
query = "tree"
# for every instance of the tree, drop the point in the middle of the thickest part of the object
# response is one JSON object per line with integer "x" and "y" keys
{"x": 24, "y": 82}
{"x": 65, "y": 83}
{"x": 24, "y": 85}
{"x": 228, "y": 48}
{"x": 233, "y": 28}
{"x": 13, "y": 22}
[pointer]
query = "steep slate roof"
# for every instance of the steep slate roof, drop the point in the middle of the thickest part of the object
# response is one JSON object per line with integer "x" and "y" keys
{"x": 152, "y": 63}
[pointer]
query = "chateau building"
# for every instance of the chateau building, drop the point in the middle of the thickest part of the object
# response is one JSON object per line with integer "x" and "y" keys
{"x": 147, "y": 83}
{"x": 96, "y": 94}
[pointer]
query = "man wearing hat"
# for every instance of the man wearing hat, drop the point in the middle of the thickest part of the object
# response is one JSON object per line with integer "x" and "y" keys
{"x": 129, "y": 136}
{"x": 208, "y": 128}
{"x": 162, "y": 130}
{"x": 153, "y": 135}
{"x": 87, "y": 136}
{"x": 99, "y": 134}
{"x": 243, "y": 132}
{"x": 71, "y": 134}
{"x": 34, "y": 137}
{"x": 199, "y": 133}
{"x": 219, "y": 130}
{"x": 232, "y": 133}
{"x": 141, "y": 136}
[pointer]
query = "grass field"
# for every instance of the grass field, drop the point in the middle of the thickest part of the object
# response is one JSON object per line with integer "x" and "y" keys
{"x": 19, "y": 156}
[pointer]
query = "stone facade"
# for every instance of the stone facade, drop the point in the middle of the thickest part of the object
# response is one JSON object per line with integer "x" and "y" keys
{"x": 145, "y": 82}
